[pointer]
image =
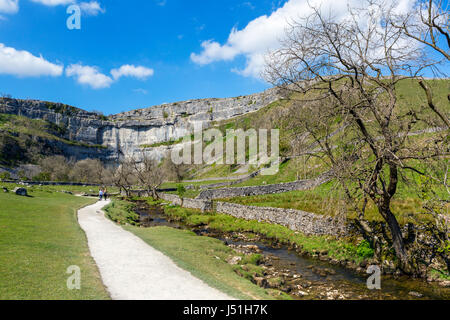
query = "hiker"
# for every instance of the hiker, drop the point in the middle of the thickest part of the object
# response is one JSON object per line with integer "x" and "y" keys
{"x": 105, "y": 194}
{"x": 100, "y": 194}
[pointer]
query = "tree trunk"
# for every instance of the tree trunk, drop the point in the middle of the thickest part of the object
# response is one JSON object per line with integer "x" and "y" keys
{"x": 397, "y": 239}
{"x": 155, "y": 194}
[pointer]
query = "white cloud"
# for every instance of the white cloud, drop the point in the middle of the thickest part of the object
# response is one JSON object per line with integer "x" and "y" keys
{"x": 9, "y": 6}
{"x": 265, "y": 32}
{"x": 24, "y": 64}
{"x": 89, "y": 76}
{"x": 132, "y": 71}
{"x": 92, "y": 8}
{"x": 140, "y": 90}
{"x": 53, "y": 3}
{"x": 92, "y": 77}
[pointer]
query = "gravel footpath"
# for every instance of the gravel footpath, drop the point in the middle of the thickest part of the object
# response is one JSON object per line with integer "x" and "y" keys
{"x": 133, "y": 270}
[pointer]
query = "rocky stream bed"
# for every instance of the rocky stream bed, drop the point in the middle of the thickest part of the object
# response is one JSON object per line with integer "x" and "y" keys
{"x": 302, "y": 277}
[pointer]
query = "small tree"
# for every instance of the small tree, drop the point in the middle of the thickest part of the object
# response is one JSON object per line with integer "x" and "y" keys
{"x": 149, "y": 173}
{"x": 88, "y": 170}
{"x": 124, "y": 177}
{"x": 56, "y": 167}
{"x": 181, "y": 190}
{"x": 172, "y": 171}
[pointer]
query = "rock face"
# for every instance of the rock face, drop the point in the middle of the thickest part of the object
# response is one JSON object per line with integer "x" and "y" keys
{"x": 124, "y": 134}
{"x": 21, "y": 192}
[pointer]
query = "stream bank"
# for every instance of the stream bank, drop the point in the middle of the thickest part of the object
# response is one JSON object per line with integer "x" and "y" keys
{"x": 285, "y": 267}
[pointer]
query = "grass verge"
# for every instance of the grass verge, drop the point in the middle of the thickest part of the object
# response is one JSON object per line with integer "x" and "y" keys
{"x": 40, "y": 239}
{"x": 206, "y": 258}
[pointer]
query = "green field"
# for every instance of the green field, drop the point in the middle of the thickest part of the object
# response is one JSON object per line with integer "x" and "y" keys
{"x": 39, "y": 239}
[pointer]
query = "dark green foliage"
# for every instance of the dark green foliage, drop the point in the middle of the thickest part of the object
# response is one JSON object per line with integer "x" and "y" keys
{"x": 181, "y": 190}
{"x": 43, "y": 176}
{"x": 5, "y": 176}
{"x": 364, "y": 250}
{"x": 62, "y": 108}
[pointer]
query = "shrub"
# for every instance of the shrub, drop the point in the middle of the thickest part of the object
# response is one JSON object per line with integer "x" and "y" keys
{"x": 364, "y": 250}
{"x": 5, "y": 176}
{"x": 43, "y": 176}
{"x": 122, "y": 212}
{"x": 181, "y": 190}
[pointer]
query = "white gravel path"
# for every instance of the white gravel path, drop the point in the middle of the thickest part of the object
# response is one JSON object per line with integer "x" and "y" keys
{"x": 133, "y": 270}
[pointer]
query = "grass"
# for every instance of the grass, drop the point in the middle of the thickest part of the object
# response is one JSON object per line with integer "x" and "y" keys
{"x": 289, "y": 171}
{"x": 40, "y": 239}
{"x": 160, "y": 144}
{"x": 190, "y": 193}
{"x": 337, "y": 249}
{"x": 50, "y": 189}
{"x": 323, "y": 200}
{"x": 168, "y": 185}
{"x": 122, "y": 212}
{"x": 204, "y": 257}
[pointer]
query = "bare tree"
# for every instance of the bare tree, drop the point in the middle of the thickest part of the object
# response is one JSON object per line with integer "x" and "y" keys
{"x": 88, "y": 170}
{"x": 29, "y": 171}
{"x": 428, "y": 25}
{"x": 172, "y": 171}
{"x": 58, "y": 167}
{"x": 343, "y": 75}
{"x": 149, "y": 173}
{"x": 124, "y": 177}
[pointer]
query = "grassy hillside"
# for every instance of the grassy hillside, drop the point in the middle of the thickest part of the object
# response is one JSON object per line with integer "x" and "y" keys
{"x": 278, "y": 115}
{"x": 323, "y": 200}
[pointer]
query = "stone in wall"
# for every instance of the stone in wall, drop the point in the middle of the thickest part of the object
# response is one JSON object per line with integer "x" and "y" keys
{"x": 203, "y": 205}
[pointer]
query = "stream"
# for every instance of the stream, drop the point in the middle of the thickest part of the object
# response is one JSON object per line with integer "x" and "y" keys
{"x": 304, "y": 277}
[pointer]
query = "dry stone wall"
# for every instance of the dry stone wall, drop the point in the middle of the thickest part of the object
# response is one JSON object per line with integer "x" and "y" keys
{"x": 297, "y": 220}
{"x": 305, "y": 222}
{"x": 203, "y": 205}
{"x": 261, "y": 190}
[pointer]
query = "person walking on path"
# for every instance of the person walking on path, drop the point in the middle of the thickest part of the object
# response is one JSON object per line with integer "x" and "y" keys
{"x": 100, "y": 194}
{"x": 105, "y": 194}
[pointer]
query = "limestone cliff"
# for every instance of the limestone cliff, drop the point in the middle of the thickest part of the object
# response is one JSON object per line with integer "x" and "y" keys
{"x": 124, "y": 134}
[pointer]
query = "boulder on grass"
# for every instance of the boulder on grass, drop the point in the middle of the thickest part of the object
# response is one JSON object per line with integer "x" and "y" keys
{"x": 21, "y": 192}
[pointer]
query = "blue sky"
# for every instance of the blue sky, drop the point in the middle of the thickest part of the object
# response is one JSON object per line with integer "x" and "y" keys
{"x": 135, "y": 53}
{"x": 156, "y": 34}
